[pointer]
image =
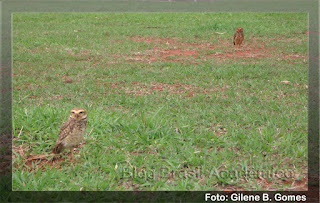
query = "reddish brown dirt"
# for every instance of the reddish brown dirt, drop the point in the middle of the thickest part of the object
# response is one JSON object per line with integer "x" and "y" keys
{"x": 42, "y": 160}
{"x": 156, "y": 54}
{"x": 218, "y": 129}
{"x": 180, "y": 51}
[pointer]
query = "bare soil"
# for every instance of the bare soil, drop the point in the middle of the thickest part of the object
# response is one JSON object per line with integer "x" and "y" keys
{"x": 42, "y": 161}
{"x": 224, "y": 49}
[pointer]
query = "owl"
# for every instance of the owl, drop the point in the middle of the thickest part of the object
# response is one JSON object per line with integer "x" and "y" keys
{"x": 72, "y": 131}
{"x": 238, "y": 37}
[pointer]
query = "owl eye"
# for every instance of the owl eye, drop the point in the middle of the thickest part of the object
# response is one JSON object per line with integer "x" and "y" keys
{"x": 72, "y": 112}
{"x": 81, "y": 112}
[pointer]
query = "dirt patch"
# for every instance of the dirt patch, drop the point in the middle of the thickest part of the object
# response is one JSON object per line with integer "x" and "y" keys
{"x": 20, "y": 150}
{"x": 157, "y": 54}
{"x": 42, "y": 161}
{"x": 218, "y": 129}
{"x": 180, "y": 52}
{"x": 175, "y": 51}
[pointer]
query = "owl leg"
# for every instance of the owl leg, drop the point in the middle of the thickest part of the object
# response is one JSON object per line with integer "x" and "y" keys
{"x": 71, "y": 151}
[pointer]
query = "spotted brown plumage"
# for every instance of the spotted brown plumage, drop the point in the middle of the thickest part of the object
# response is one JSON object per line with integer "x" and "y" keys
{"x": 238, "y": 37}
{"x": 72, "y": 131}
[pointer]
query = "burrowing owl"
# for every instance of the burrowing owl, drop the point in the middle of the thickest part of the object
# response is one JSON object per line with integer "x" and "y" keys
{"x": 72, "y": 131}
{"x": 238, "y": 37}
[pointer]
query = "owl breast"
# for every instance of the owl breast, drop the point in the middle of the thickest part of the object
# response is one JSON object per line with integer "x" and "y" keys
{"x": 76, "y": 135}
{"x": 238, "y": 38}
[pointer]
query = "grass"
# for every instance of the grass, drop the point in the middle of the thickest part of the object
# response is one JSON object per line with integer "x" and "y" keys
{"x": 161, "y": 122}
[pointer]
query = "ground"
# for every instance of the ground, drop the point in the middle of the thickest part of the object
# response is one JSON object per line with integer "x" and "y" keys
{"x": 172, "y": 105}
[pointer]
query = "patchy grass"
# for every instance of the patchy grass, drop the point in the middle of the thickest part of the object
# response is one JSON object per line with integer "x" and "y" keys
{"x": 172, "y": 105}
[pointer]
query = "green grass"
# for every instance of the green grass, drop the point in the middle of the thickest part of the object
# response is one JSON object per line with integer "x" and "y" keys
{"x": 172, "y": 123}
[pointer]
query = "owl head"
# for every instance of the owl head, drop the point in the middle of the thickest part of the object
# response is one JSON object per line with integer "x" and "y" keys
{"x": 239, "y": 29}
{"x": 78, "y": 114}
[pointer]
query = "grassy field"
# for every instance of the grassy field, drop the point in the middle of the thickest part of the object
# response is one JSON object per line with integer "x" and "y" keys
{"x": 171, "y": 104}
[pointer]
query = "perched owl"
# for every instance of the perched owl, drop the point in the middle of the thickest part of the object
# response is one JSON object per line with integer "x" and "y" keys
{"x": 72, "y": 131}
{"x": 238, "y": 37}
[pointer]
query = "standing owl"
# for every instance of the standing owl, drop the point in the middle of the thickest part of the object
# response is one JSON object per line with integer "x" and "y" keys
{"x": 72, "y": 131}
{"x": 238, "y": 37}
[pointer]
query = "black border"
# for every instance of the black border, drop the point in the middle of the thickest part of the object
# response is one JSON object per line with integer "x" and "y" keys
{"x": 9, "y": 7}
